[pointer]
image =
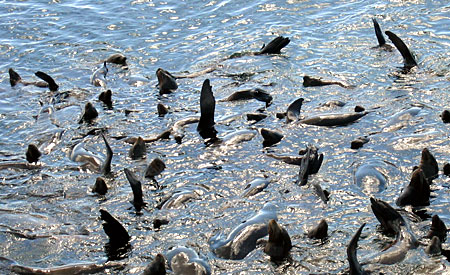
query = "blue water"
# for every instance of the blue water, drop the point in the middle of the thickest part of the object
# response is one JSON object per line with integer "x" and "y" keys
{"x": 329, "y": 39}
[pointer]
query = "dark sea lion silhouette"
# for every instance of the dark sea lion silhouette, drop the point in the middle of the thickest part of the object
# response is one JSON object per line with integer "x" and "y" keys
{"x": 333, "y": 119}
{"x": 89, "y": 113}
{"x": 258, "y": 94}
{"x": 138, "y": 150}
{"x": 205, "y": 126}
{"x": 118, "y": 59}
{"x": 417, "y": 193}
{"x": 156, "y": 267}
{"x": 388, "y": 217}
{"x": 438, "y": 229}
{"x": 162, "y": 110}
{"x": 50, "y": 81}
{"x": 166, "y": 81}
{"x": 320, "y": 231}
{"x": 33, "y": 154}
{"x": 293, "y": 110}
{"x": 274, "y": 46}
{"x": 14, "y": 79}
{"x": 314, "y": 82}
{"x": 429, "y": 165}
{"x": 279, "y": 243}
{"x": 270, "y": 137}
{"x": 100, "y": 186}
{"x": 434, "y": 247}
{"x": 117, "y": 234}
{"x": 408, "y": 58}
{"x": 106, "y": 98}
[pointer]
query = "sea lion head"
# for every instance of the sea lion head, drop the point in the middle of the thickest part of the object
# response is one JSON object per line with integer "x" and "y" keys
{"x": 166, "y": 82}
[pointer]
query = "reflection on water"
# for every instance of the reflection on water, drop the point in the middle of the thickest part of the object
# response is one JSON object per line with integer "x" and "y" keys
{"x": 49, "y": 217}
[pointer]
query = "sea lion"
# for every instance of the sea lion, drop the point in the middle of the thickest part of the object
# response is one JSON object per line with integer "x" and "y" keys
{"x": 242, "y": 239}
{"x": 138, "y": 150}
{"x": 270, "y": 137}
{"x": 323, "y": 194}
{"x": 98, "y": 78}
{"x": 408, "y": 58}
{"x": 388, "y": 217}
{"x": 310, "y": 164}
{"x": 255, "y": 186}
{"x": 417, "y": 193}
{"x": 14, "y": 79}
{"x": 314, "y": 82}
{"x": 166, "y": 81}
{"x": 446, "y": 169}
{"x": 256, "y": 116}
{"x": 434, "y": 247}
{"x": 33, "y": 154}
{"x": 89, "y": 113}
{"x": 437, "y": 229}
{"x": 274, "y": 46}
{"x": 381, "y": 41}
{"x": 118, "y": 59}
{"x": 155, "y": 168}
{"x": 157, "y": 223}
{"x": 106, "y": 98}
{"x": 359, "y": 142}
{"x": 100, "y": 186}
{"x": 162, "y": 110}
{"x": 333, "y": 119}
{"x": 293, "y": 111}
{"x": 183, "y": 260}
{"x": 429, "y": 165}
{"x": 117, "y": 234}
{"x": 205, "y": 126}
{"x": 179, "y": 198}
{"x": 279, "y": 243}
{"x": 91, "y": 161}
{"x": 287, "y": 159}
{"x": 258, "y": 94}
{"x": 78, "y": 268}
{"x": 320, "y": 231}
{"x": 445, "y": 116}
{"x": 136, "y": 187}
{"x": 355, "y": 267}
{"x": 156, "y": 267}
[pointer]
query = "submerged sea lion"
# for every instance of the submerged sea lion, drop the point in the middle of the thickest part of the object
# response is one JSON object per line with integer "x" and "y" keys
{"x": 417, "y": 193}
{"x": 118, "y": 59}
{"x": 279, "y": 243}
{"x": 166, "y": 81}
{"x": 313, "y": 82}
{"x": 429, "y": 165}
{"x": 138, "y": 150}
{"x": 256, "y": 93}
{"x": 320, "y": 231}
{"x": 255, "y": 186}
{"x": 205, "y": 126}
{"x": 437, "y": 229}
{"x": 183, "y": 260}
{"x": 106, "y": 98}
{"x": 274, "y": 46}
{"x": 33, "y": 154}
{"x": 89, "y": 113}
{"x": 333, "y": 119}
{"x": 270, "y": 137}
{"x": 93, "y": 162}
{"x": 408, "y": 58}
{"x": 98, "y": 78}
{"x": 14, "y": 79}
{"x": 381, "y": 41}
{"x": 156, "y": 267}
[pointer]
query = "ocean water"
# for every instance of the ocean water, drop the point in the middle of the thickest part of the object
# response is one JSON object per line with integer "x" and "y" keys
{"x": 49, "y": 217}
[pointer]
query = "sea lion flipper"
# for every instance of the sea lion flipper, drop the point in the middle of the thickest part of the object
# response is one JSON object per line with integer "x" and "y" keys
{"x": 408, "y": 58}
{"x": 51, "y": 82}
{"x": 118, "y": 235}
{"x": 106, "y": 168}
{"x": 355, "y": 267}
{"x": 379, "y": 33}
{"x": 14, "y": 77}
{"x": 136, "y": 187}
{"x": 293, "y": 110}
{"x": 275, "y": 46}
{"x": 207, "y": 107}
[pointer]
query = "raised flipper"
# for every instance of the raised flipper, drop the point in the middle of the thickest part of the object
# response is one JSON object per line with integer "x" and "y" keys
{"x": 106, "y": 168}
{"x": 207, "y": 107}
{"x": 408, "y": 58}
{"x": 118, "y": 235}
{"x": 136, "y": 186}
{"x": 14, "y": 77}
{"x": 379, "y": 33}
{"x": 355, "y": 267}
{"x": 293, "y": 111}
{"x": 275, "y": 46}
{"x": 51, "y": 82}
